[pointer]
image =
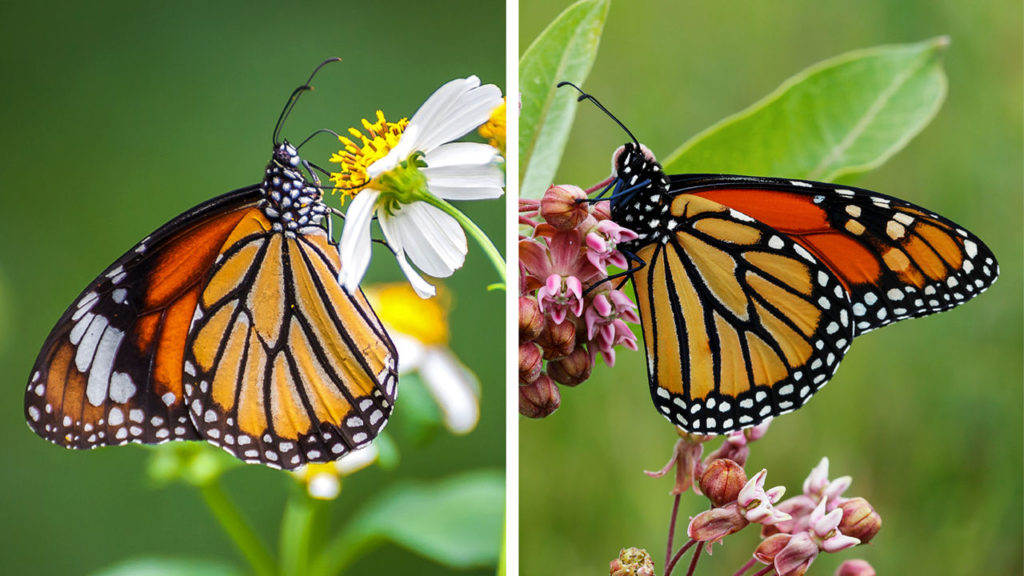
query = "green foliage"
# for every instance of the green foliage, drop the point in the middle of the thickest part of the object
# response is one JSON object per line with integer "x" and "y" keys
{"x": 565, "y": 51}
{"x": 456, "y": 522}
{"x": 169, "y": 567}
{"x": 838, "y": 118}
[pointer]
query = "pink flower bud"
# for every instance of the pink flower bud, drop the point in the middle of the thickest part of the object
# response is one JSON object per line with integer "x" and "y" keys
{"x": 855, "y": 567}
{"x": 722, "y": 481}
{"x": 859, "y": 520}
{"x": 539, "y": 398}
{"x": 770, "y": 547}
{"x": 713, "y": 525}
{"x": 573, "y": 369}
{"x": 632, "y": 562}
{"x": 557, "y": 339}
{"x": 531, "y": 319}
{"x": 530, "y": 362}
{"x": 564, "y": 207}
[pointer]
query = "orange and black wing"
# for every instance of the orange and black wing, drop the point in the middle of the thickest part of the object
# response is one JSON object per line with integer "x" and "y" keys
{"x": 740, "y": 323}
{"x": 895, "y": 259}
{"x": 110, "y": 371}
{"x": 283, "y": 366}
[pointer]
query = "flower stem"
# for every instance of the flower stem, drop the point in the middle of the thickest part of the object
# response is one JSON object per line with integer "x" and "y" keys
{"x": 297, "y": 527}
{"x": 231, "y": 520}
{"x": 474, "y": 231}
{"x": 750, "y": 564}
{"x": 693, "y": 561}
{"x": 675, "y": 559}
{"x": 672, "y": 528}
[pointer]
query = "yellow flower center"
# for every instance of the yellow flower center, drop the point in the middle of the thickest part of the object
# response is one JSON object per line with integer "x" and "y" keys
{"x": 494, "y": 129}
{"x": 362, "y": 151}
{"x": 402, "y": 310}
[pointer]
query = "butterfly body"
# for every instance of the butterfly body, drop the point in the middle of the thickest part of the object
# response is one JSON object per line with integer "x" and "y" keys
{"x": 751, "y": 290}
{"x": 226, "y": 324}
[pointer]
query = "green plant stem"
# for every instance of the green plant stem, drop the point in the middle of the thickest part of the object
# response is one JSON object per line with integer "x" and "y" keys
{"x": 341, "y": 552}
{"x": 475, "y": 232}
{"x": 297, "y": 527}
{"x": 231, "y": 520}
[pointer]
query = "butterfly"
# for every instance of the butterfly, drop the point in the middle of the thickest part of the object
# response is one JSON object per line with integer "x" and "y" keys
{"x": 227, "y": 324}
{"x": 750, "y": 290}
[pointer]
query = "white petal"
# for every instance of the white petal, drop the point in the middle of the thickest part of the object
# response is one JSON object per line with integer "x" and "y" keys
{"x": 422, "y": 288}
{"x": 454, "y": 387}
{"x": 410, "y": 352}
{"x": 356, "y": 460}
{"x": 401, "y": 151}
{"x": 456, "y": 108}
{"x": 433, "y": 240}
{"x": 324, "y": 486}
{"x": 465, "y": 182}
{"x": 459, "y": 153}
{"x": 355, "y": 247}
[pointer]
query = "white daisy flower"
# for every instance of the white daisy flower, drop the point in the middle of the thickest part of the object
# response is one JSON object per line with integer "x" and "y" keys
{"x": 323, "y": 480}
{"x": 404, "y": 172}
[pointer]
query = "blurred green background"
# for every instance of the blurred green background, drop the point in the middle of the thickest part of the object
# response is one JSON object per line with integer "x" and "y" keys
{"x": 116, "y": 117}
{"x": 925, "y": 415}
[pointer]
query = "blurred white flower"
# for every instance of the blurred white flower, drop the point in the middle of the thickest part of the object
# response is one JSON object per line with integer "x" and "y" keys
{"x": 419, "y": 330}
{"x": 323, "y": 480}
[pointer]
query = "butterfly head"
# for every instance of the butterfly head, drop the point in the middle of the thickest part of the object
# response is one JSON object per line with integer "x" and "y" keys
{"x": 640, "y": 200}
{"x": 291, "y": 201}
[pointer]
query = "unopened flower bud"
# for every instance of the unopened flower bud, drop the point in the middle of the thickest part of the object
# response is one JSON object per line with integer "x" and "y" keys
{"x": 557, "y": 340}
{"x": 632, "y": 562}
{"x": 530, "y": 362}
{"x": 855, "y": 567}
{"x": 859, "y": 520}
{"x": 712, "y": 525}
{"x": 539, "y": 398}
{"x": 564, "y": 207}
{"x": 531, "y": 319}
{"x": 573, "y": 369}
{"x": 722, "y": 481}
{"x": 770, "y": 547}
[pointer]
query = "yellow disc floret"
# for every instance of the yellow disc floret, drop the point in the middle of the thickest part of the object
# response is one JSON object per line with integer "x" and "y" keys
{"x": 494, "y": 129}
{"x": 363, "y": 150}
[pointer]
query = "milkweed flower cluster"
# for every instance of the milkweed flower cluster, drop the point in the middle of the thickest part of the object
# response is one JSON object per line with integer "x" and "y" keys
{"x": 404, "y": 173}
{"x": 569, "y": 311}
{"x": 794, "y": 531}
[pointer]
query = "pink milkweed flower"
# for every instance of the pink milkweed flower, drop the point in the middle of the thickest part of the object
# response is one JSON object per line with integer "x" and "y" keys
{"x": 602, "y": 241}
{"x": 797, "y": 556}
{"x": 715, "y": 524}
{"x": 817, "y": 485}
{"x": 757, "y": 504}
{"x": 825, "y": 530}
{"x": 606, "y": 324}
{"x": 560, "y": 295}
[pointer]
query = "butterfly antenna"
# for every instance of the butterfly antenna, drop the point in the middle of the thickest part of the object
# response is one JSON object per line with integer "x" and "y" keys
{"x": 294, "y": 98}
{"x": 317, "y": 133}
{"x": 584, "y": 96}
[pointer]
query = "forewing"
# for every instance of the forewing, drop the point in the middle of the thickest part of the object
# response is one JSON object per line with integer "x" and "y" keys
{"x": 284, "y": 367}
{"x": 896, "y": 260}
{"x": 740, "y": 323}
{"x": 110, "y": 370}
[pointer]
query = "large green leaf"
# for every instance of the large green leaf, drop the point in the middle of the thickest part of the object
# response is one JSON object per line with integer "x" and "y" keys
{"x": 838, "y": 118}
{"x": 169, "y": 567}
{"x": 456, "y": 522}
{"x": 564, "y": 51}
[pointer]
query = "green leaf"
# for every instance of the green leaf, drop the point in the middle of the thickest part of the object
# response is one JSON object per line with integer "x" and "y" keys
{"x": 456, "y": 522}
{"x": 838, "y": 118}
{"x": 565, "y": 50}
{"x": 169, "y": 567}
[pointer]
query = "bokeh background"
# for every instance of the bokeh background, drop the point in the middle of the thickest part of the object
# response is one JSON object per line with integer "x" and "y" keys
{"x": 116, "y": 116}
{"x": 926, "y": 414}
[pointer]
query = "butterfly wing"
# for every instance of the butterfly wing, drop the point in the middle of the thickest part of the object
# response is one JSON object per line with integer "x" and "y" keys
{"x": 110, "y": 370}
{"x": 896, "y": 260}
{"x": 284, "y": 367}
{"x": 740, "y": 323}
